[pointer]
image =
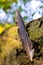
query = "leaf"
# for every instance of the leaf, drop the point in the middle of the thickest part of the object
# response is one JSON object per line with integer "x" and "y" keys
{"x": 41, "y": 6}
{"x": 33, "y": 14}
{"x": 25, "y": 17}
{"x": 20, "y": 8}
{"x": 25, "y": 1}
{"x": 1, "y": 29}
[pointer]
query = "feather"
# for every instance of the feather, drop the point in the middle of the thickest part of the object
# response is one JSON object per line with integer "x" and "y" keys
{"x": 26, "y": 42}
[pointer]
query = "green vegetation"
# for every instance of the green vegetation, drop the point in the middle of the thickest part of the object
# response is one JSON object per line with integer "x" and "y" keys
{"x": 5, "y": 4}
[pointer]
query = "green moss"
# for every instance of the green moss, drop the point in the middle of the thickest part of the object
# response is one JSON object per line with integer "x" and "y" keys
{"x": 33, "y": 32}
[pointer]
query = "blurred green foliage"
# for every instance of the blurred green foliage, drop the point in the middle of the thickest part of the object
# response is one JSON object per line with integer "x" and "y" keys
{"x": 5, "y": 4}
{"x": 24, "y": 1}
